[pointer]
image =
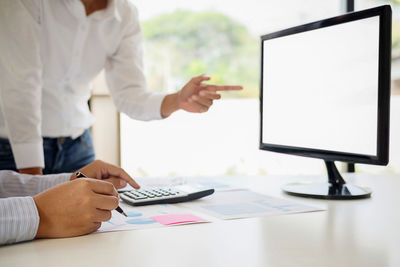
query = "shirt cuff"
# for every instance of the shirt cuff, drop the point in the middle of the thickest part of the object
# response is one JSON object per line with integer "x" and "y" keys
{"x": 28, "y": 155}
{"x": 19, "y": 219}
{"x": 149, "y": 108}
{"x": 154, "y": 104}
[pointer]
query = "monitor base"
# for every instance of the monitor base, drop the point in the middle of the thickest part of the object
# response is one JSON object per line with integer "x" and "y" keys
{"x": 326, "y": 191}
{"x": 335, "y": 188}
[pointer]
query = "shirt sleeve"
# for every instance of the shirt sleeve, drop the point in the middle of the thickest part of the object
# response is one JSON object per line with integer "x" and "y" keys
{"x": 19, "y": 217}
{"x": 125, "y": 77}
{"x": 14, "y": 184}
{"x": 21, "y": 80}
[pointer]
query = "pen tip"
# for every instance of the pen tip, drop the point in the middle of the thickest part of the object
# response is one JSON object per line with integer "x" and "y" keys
{"x": 124, "y": 214}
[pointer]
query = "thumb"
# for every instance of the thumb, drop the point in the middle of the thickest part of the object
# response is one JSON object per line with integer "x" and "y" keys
{"x": 199, "y": 79}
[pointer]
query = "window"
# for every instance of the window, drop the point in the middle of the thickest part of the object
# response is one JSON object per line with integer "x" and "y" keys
{"x": 220, "y": 38}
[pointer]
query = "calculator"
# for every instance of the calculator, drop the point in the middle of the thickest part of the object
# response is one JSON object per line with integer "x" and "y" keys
{"x": 161, "y": 195}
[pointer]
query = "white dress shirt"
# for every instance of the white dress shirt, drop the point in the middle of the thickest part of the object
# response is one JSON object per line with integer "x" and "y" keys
{"x": 19, "y": 217}
{"x": 49, "y": 53}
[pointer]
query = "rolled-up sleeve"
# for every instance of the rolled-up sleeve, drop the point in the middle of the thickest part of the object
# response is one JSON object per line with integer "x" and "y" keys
{"x": 125, "y": 77}
{"x": 21, "y": 80}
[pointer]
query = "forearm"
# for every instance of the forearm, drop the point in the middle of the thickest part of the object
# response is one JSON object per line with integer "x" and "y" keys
{"x": 19, "y": 220}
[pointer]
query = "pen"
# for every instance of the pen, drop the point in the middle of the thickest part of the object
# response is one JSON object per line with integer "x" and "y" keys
{"x": 81, "y": 175}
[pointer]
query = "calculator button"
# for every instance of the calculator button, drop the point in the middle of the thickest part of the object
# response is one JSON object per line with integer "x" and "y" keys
{"x": 129, "y": 194}
{"x": 135, "y": 195}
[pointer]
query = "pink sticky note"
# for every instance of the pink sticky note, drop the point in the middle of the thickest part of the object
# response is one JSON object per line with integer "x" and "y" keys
{"x": 170, "y": 219}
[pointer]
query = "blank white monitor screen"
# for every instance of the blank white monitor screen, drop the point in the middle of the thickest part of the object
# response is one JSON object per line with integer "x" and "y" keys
{"x": 320, "y": 88}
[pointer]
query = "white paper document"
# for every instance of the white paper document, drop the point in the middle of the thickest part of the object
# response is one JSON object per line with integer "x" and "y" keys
{"x": 150, "y": 216}
{"x": 222, "y": 205}
{"x": 244, "y": 204}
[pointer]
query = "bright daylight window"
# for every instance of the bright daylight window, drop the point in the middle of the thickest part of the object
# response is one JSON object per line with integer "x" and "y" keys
{"x": 221, "y": 39}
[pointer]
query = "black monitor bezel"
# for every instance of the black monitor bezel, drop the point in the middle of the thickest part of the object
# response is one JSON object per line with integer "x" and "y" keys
{"x": 385, "y": 24}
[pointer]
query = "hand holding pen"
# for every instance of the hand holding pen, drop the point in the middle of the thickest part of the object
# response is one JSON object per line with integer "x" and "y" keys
{"x": 80, "y": 206}
{"x": 81, "y": 175}
{"x": 107, "y": 172}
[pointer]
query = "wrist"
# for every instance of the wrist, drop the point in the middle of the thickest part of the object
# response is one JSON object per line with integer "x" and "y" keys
{"x": 73, "y": 176}
{"x": 33, "y": 171}
{"x": 42, "y": 218}
{"x": 170, "y": 104}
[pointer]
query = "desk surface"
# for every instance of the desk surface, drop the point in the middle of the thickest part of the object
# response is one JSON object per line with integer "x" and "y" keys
{"x": 349, "y": 233}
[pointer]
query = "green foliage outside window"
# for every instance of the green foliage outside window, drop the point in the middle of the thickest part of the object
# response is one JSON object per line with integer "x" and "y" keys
{"x": 395, "y": 26}
{"x": 183, "y": 44}
{"x": 396, "y": 39}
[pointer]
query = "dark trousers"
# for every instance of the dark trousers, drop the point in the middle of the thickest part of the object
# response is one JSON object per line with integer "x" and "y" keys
{"x": 61, "y": 154}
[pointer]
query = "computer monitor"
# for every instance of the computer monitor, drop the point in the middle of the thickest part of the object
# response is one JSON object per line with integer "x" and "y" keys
{"x": 325, "y": 93}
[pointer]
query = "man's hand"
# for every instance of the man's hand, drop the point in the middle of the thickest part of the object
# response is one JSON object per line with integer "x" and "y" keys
{"x": 195, "y": 96}
{"x": 33, "y": 171}
{"x": 75, "y": 208}
{"x": 107, "y": 172}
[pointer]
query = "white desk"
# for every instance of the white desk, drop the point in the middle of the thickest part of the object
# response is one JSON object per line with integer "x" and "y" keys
{"x": 350, "y": 233}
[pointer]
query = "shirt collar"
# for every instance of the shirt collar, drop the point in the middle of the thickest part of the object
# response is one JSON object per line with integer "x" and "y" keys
{"x": 111, "y": 11}
{"x": 78, "y": 10}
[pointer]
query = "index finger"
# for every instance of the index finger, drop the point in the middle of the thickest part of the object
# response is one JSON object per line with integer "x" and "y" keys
{"x": 215, "y": 88}
{"x": 116, "y": 172}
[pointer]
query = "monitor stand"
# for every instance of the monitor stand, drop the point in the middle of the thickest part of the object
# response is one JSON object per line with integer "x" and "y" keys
{"x": 336, "y": 188}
